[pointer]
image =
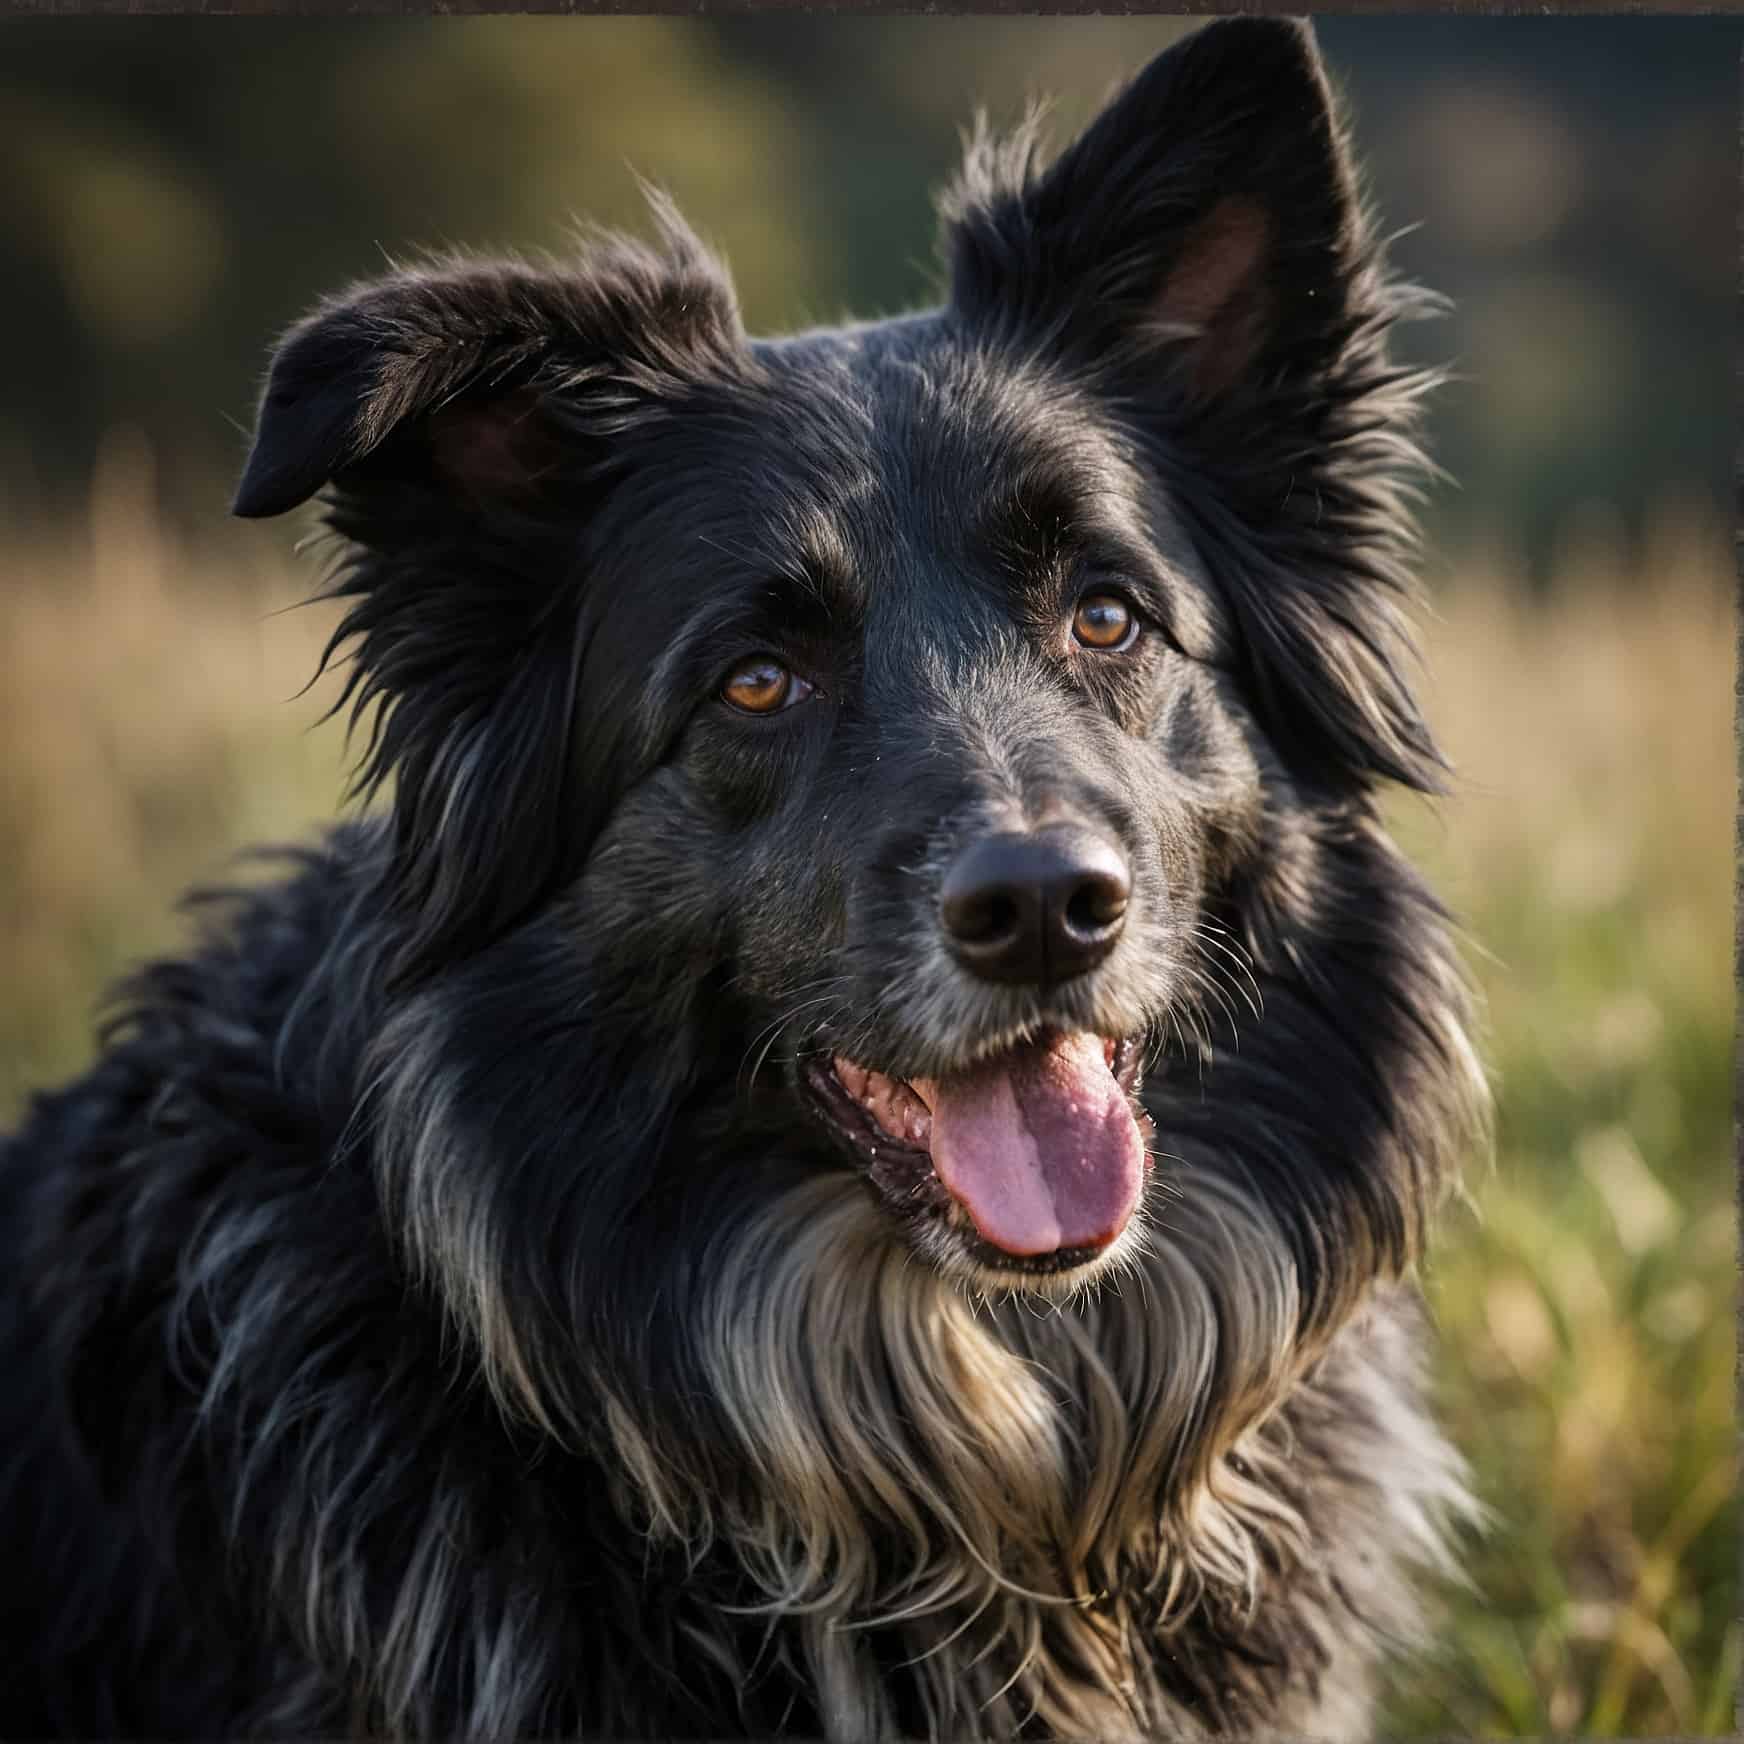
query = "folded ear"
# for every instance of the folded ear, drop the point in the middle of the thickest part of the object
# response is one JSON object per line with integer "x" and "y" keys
{"x": 1200, "y": 255}
{"x": 444, "y": 406}
{"x": 450, "y": 375}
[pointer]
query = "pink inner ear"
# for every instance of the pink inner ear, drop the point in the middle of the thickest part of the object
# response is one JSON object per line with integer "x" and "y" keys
{"x": 491, "y": 447}
{"x": 1214, "y": 294}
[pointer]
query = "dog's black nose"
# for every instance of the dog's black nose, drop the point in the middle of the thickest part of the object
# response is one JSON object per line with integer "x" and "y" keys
{"x": 1035, "y": 907}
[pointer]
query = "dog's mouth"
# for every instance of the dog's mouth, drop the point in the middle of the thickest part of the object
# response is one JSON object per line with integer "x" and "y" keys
{"x": 1041, "y": 1147}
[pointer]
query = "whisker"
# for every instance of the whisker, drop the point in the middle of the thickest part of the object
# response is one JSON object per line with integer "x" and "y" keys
{"x": 1239, "y": 956}
{"x": 1208, "y": 984}
{"x": 773, "y": 1032}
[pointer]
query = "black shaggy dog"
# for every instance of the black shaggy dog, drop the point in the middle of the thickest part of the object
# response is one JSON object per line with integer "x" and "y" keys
{"x": 845, "y": 1158}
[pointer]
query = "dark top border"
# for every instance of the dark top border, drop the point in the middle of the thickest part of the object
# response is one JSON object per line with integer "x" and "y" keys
{"x": 903, "y": 8}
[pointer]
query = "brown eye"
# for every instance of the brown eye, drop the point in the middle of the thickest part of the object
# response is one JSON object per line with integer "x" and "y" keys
{"x": 764, "y": 687}
{"x": 1104, "y": 621}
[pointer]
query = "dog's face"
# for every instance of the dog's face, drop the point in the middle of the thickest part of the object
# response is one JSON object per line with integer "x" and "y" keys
{"x": 915, "y": 691}
{"x": 950, "y": 750}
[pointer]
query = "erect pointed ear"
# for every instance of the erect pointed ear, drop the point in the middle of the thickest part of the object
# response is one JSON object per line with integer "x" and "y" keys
{"x": 1206, "y": 221}
{"x": 440, "y": 404}
{"x": 1201, "y": 258}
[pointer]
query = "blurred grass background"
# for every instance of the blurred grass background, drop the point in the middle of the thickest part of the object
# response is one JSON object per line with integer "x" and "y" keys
{"x": 1586, "y": 1304}
{"x": 184, "y": 187}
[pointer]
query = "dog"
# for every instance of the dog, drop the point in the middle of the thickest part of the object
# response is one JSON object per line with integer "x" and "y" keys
{"x": 844, "y": 1154}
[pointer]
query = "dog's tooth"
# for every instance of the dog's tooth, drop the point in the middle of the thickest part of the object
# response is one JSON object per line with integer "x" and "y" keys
{"x": 878, "y": 1098}
{"x": 912, "y": 1118}
{"x": 852, "y": 1077}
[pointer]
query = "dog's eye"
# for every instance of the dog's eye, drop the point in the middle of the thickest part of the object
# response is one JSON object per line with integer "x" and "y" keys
{"x": 1105, "y": 622}
{"x": 763, "y": 687}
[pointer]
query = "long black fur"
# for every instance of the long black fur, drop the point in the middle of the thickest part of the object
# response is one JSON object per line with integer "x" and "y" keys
{"x": 438, "y": 1312}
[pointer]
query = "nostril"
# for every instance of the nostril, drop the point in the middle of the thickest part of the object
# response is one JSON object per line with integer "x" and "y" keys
{"x": 1097, "y": 904}
{"x": 982, "y": 917}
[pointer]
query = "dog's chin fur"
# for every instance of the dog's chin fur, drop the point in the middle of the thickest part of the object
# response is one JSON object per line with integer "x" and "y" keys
{"x": 977, "y": 1510}
{"x": 425, "y": 1320}
{"x": 984, "y": 1276}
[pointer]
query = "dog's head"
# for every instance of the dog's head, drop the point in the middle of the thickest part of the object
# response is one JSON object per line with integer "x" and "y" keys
{"x": 926, "y": 691}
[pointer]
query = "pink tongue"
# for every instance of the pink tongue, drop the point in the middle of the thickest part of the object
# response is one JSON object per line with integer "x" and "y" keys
{"x": 1039, "y": 1146}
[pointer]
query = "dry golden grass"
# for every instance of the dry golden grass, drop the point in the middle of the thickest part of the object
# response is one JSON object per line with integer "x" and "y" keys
{"x": 148, "y": 730}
